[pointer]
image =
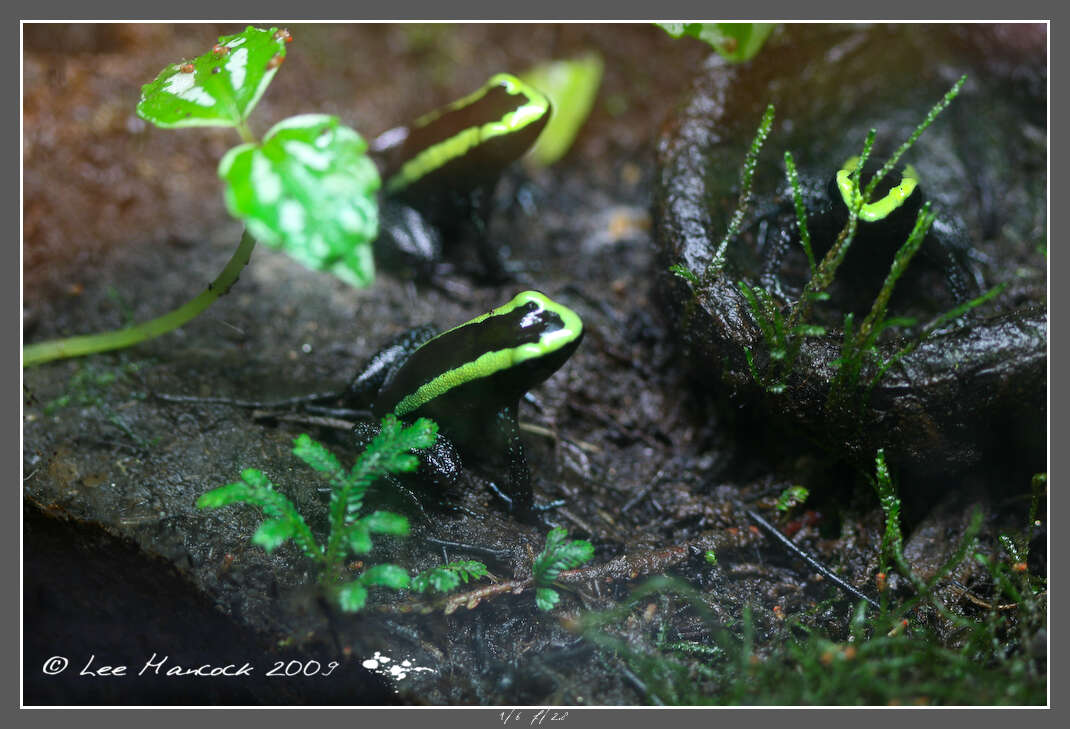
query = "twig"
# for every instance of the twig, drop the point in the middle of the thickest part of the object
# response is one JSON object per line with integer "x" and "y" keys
{"x": 806, "y": 557}
{"x": 546, "y": 432}
{"x": 625, "y": 567}
{"x": 479, "y": 549}
{"x": 305, "y": 419}
{"x": 968, "y": 594}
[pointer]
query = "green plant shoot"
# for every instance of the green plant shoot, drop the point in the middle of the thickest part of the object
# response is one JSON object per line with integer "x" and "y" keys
{"x": 559, "y": 554}
{"x": 750, "y": 163}
{"x": 784, "y": 333}
{"x": 350, "y": 531}
{"x": 791, "y": 497}
{"x": 449, "y": 576}
{"x": 307, "y": 188}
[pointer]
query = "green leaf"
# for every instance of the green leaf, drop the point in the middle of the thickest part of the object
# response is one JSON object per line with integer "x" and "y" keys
{"x": 232, "y": 493}
{"x": 387, "y": 453}
{"x": 389, "y": 450}
{"x": 386, "y": 575}
{"x": 438, "y": 578}
{"x": 315, "y": 454}
{"x": 352, "y": 596}
{"x": 359, "y": 538}
{"x": 469, "y": 569}
{"x": 419, "y": 435}
{"x": 572, "y": 87}
{"x": 255, "y": 478}
{"x": 560, "y": 555}
{"x": 284, "y": 521}
{"x": 272, "y": 533}
{"x": 791, "y": 497}
{"x": 546, "y": 598}
{"x": 385, "y": 522}
{"x": 310, "y": 190}
{"x": 679, "y": 269}
{"x": 448, "y": 576}
{"x": 736, "y": 42}
{"x": 219, "y": 88}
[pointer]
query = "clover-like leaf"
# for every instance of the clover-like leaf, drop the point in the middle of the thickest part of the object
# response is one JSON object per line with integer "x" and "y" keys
{"x": 736, "y": 42}
{"x": 308, "y": 189}
{"x": 219, "y": 88}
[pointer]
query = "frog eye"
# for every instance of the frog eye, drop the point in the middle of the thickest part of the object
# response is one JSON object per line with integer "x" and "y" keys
{"x": 880, "y": 208}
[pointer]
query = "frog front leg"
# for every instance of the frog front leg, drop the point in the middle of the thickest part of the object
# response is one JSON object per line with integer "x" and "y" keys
{"x": 948, "y": 249}
{"x": 506, "y": 431}
{"x": 463, "y": 215}
{"x": 492, "y": 255}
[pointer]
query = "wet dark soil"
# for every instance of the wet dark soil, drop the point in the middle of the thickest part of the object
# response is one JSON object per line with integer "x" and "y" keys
{"x": 124, "y": 222}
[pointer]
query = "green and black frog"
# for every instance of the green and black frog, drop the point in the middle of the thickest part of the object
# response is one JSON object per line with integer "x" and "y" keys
{"x": 440, "y": 173}
{"x": 469, "y": 379}
{"x": 946, "y": 257}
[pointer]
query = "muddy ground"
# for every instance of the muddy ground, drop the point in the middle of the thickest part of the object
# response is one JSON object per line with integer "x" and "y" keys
{"x": 124, "y": 222}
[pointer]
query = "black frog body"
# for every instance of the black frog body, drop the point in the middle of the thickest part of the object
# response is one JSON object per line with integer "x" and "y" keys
{"x": 440, "y": 173}
{"x": 469, "y": 380}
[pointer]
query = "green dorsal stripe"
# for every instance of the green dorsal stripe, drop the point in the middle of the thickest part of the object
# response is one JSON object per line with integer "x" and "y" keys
{"x": 877, "y": 209}
{"x": 554, "y": 327}
{"x": 503, "y": 105}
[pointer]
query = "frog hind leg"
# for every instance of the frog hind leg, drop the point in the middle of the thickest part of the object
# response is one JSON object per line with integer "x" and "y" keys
{"x": 440, "y": 466}
{"x": 369, "y": 379}
{"x": 408, "y": 244}
{"x": 947, "y": 248}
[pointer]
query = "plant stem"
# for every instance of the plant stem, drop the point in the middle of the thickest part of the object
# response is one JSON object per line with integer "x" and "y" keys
{"x": 826, "y": 270}
{"x": 42, "y": 352}
{"x": 892, "y": 161}
{"x": 869, "y": 329}
{"x": 245, "y": 132}
{"x": 750, "y": 163}
{"x": 800, "y": 211}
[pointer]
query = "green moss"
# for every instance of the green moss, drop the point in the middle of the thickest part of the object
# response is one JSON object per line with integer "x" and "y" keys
{"x": 915, "y": 651}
